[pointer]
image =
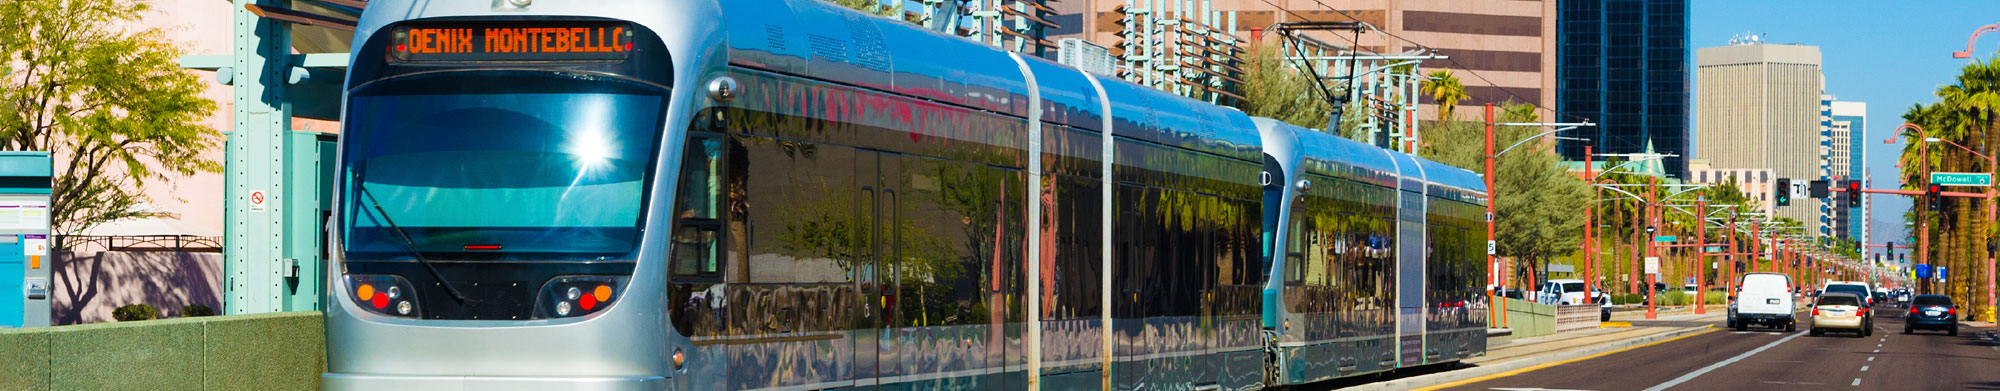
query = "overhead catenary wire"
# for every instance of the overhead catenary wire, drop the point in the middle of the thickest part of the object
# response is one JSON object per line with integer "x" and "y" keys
{"x": 1454, "y": 62}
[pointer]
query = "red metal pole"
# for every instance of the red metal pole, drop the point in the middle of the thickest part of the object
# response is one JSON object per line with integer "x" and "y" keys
{"x": 1700, "y": 255}
{"x": 1491, "y": 197}
{"x": 1589, "y": 227}
{"x": 1756, "y": 242}
{"x": 1652, "y": 217}
{"x": 1729, "y": 270}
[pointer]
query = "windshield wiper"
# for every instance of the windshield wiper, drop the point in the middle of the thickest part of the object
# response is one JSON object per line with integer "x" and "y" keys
{"x": 411, "y": 244}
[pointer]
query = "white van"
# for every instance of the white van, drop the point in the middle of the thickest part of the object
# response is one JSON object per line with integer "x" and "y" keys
{"x": 1764, "y": 299}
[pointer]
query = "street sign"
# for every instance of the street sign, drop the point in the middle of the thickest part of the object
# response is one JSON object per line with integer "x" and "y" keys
{"x": 1492, "y": 247}
{"x": 1962, "y": 179}
{"x": 1652, "y": 265}
{"x": 1940, "y": 273}
{"x": 1922, "y": 270}
{"x": 1668, "y": 239}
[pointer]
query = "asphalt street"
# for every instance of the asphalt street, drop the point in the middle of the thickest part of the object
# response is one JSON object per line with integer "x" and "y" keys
{"x": 1776, "y": 360}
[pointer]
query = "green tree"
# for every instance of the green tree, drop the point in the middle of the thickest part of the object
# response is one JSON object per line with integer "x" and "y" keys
{"x": 1536, "y": 200}
{"x": 1274, "y": 88}
{"x": 109, "y": 99}
{"x": 1444, "y": 88}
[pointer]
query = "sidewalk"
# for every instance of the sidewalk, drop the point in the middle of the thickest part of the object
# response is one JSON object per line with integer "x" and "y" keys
{"x": 1505, "y": 354}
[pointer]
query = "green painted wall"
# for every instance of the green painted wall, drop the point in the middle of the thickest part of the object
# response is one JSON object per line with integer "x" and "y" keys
{"x": 1530, "y": 319}
{"x": 274, "y": 351}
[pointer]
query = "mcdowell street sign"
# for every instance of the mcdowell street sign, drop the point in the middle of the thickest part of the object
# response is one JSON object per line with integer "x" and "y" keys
{"x": 1961, "y": 179}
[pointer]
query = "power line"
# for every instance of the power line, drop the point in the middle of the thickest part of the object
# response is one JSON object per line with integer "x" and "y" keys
{"x": 1453, "y": 61}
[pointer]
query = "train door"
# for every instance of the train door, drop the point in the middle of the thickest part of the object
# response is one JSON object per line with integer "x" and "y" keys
{"x": 1410, "y": 278}
{"x": 876, "y": 348}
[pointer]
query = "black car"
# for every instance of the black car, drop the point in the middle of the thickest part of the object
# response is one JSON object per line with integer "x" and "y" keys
{"x": 1931, "y": 312}
{"x": 1881, "y": 298}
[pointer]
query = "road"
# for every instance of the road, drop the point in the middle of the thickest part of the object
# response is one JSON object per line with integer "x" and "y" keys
{"x": 1778, "y": 361}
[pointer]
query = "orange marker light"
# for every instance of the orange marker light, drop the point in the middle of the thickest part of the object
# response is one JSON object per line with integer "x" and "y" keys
{"x": 603, "y": 293}
{"x": 365, "y": 292}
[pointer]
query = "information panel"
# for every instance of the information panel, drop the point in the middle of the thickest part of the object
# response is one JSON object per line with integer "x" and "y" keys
{"x": 538, "y": 41}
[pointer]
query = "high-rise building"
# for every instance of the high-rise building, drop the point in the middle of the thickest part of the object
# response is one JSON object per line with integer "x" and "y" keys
{"x": 1758, "y": 106}
{"x": 1509, "y": 44}
{"x": 1850, "y": 119}
{"x": 1623, "y": 64}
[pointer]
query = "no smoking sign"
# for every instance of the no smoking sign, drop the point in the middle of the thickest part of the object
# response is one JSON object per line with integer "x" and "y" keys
{"x": 257, "y": 200}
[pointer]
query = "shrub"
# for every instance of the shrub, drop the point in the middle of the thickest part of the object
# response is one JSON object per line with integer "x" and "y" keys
{"x": 135, "y": 312}
{"x": 1673, "y": 298}
{"x": 193, "y": 310}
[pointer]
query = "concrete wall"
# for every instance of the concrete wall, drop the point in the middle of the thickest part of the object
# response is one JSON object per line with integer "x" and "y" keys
{"x": 281, "y": 351}
{"x": 89, "y": 285}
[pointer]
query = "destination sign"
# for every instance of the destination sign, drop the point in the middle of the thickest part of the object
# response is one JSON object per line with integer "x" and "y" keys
{"x": 512, "y": 42}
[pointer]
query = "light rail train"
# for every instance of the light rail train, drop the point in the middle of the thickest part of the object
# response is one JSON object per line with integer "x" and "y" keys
{"x": 785, "y": 194}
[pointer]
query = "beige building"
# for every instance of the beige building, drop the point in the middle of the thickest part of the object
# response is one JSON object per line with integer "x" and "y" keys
{"x": 1758, "y": 107}
{"x": 1757, "y": 184}
{"x": 1509, "y": 42}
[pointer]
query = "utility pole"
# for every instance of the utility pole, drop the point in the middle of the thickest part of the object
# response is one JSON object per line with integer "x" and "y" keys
{"x": 1492, "y": 197}
{"x": 1700, "y": 254}
{"x": 1652, "y": 279}
{"x": 1589, "y": 224}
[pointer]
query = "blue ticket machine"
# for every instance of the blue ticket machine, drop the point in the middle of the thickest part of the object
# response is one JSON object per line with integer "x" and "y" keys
{"x": 25, "y": 261}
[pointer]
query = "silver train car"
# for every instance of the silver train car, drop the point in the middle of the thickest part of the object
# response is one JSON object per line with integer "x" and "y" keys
{"x": 785, "y": 194}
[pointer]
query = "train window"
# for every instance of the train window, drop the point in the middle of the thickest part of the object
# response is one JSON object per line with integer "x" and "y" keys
{"x": 695, "y": 251}
{"x": 499, "y": 165}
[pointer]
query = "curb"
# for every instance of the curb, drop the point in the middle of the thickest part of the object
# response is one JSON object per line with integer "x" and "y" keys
{"x": 1525, "y": 363}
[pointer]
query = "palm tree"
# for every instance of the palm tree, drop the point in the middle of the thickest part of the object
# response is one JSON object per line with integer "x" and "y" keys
{"x": 1446, "y": 90}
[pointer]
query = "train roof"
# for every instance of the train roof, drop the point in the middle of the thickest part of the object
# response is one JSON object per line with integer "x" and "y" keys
{"x": 823, "y": 41}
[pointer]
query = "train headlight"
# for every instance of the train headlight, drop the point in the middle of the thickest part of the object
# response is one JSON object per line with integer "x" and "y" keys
{"x": 384, "y": 294}
{"x": 571, "y": 296}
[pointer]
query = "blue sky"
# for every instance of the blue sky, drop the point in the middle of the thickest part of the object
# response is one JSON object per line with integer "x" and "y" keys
{"x": 1891, "y": 54}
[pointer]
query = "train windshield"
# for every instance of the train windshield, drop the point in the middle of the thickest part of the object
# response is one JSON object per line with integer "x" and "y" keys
{"x": 498, "y": 165}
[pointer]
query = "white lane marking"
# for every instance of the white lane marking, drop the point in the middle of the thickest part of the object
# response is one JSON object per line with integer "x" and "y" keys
{"x": 1871, "y": 359}
{"x": 1711, "y": 367}
{"x": 1857, "y": 382}
{"x": 1878, "y": 350}
{"x": 1864, "y": 368}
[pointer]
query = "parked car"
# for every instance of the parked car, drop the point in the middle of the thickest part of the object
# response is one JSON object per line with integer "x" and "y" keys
{"x": 1567, "y": 292}
{"x": 1931, "y": 312}
{"x": 1763, "y": 299}
{"x": 1689, "y": 290}
{"x": 1841, "y": 311}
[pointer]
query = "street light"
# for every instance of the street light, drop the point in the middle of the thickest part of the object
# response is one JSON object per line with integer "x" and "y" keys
{"x": 1967, "y": 53}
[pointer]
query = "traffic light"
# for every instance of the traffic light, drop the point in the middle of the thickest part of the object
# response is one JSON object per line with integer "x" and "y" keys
{"x": 1934, "y": 197}
{"x": 1784, "y": 190}
{"x": 1853, "y": 194}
